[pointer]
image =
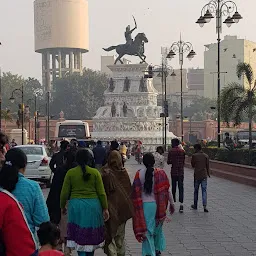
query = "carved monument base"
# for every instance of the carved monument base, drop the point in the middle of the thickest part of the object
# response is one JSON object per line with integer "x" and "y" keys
{"x": 130, "y": 110}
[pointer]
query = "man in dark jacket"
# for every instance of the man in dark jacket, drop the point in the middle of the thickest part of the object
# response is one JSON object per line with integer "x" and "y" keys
{"x": 57, "y": 160}
{"x": 176, "y": 158}
{"x": 200, "y": 163}
{"x": 99, "y": 153}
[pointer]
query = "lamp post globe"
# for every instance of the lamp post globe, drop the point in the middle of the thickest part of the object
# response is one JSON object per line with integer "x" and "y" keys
{"x": 208, "y": 16}
{"x": 237, "y": 17}
{"x": 201, "y": 21}
{"x": 12, "y": 99}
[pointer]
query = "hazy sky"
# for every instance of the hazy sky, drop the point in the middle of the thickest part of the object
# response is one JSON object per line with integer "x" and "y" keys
{"x": 161, "y": 20}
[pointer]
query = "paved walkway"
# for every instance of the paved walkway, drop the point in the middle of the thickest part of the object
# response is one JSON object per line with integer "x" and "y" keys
{"x": 228, "y": 229}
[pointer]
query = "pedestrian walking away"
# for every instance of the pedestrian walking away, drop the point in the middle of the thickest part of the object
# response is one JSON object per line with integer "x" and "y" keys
{"x": 123, "y": 151}
{"x": 99, "y": 153}
{"x": 3, "y": 151}
{"x": 53, "y": 200}
{"x": 150, "y": 199}
{"x": 159, "y": 157}
{"x": 58, "y": 158}
{"x": 176, "y": 157}
{"x": 200, "y": 163}
{"x": 114, "y": 146}
{"x": 13, "y": 143}
{"x": 49, "y": 236}
{"x": 107, "y": 147}
{"x": 28, "y": 192}
{"x": 118, "y": 189}
{"x": 12, "y": 217}
{"x": 87, "y": 209}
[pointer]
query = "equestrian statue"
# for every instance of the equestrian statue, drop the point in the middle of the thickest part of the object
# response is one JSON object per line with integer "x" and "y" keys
{"x": 132, "y": 47}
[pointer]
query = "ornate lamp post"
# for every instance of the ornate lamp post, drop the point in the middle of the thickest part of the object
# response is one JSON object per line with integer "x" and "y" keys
{"x": 181, "y": 48}
{"x": 219, "y": 8}
{"x": 35, "y": 115}
{"x": 48, "y": 117}
{"x": 39, "y": 114}
{"x": 163, "y": 72}
{"x": 12, "y": 99}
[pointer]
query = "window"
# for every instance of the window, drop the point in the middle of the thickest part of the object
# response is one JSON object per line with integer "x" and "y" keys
{"x": 72, "y": 131}
{"x": 32, "y": 150}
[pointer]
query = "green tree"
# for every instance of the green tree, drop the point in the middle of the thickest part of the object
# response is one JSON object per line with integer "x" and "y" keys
{"x": 33, "y": 87}
{"x": 200, "y": 108}
{"x": 238, "y": 101}
{"x": 6, "y": 115}
{"x": 77, "y": 96}
{"x": 10, "y": 82}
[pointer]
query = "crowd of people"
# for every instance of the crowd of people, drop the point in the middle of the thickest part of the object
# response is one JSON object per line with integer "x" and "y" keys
{"x": 91, "y": 199}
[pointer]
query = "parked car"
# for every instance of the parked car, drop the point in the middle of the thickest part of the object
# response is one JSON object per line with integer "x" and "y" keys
{"x": 38, "y": 168}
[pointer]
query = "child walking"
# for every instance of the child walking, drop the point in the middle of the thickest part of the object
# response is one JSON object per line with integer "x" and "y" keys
{"x": 49, "y": 237}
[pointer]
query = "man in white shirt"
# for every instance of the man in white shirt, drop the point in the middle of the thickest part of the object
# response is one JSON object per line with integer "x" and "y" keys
{"x": 159, "y": 157}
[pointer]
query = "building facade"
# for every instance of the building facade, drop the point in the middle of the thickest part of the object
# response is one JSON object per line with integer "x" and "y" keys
{"x": 232, "y": 51}
{"x": 193, "y": 87}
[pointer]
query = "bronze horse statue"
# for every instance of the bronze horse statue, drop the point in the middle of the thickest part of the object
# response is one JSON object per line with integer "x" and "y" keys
{"x": 135, "y": 49}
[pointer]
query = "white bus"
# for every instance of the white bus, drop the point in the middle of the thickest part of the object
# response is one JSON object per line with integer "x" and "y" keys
{"x": 72, "y": 129}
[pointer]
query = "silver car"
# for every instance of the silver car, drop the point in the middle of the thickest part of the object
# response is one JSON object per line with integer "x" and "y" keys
{"x": 38, "y": 163}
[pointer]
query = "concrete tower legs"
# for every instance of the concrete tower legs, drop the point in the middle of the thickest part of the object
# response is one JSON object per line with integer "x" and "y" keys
{"x": 57, "y": 63}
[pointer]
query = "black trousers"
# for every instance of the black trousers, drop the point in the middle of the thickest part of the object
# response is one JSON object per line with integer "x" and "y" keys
{"x": 178, "y": 180}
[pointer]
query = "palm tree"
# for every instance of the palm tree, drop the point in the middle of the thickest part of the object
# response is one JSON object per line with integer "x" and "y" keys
{"x": 7, "y": 116}
{"x": 239, "y": 101}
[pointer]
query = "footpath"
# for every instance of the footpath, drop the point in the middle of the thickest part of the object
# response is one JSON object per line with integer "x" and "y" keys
{"x": 228, "y": 229}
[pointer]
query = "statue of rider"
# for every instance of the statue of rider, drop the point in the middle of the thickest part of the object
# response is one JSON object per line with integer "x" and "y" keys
{"x": 128, "y": 34}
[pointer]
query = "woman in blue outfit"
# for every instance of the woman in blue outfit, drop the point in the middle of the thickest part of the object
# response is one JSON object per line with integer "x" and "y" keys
{"x": 28, "y": 192}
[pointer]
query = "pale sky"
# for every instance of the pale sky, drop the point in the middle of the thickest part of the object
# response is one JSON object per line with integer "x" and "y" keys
{"x": 162, "y": 21}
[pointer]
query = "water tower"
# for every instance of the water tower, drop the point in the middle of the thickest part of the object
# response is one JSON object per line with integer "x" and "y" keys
{"x": 61, "y": 36}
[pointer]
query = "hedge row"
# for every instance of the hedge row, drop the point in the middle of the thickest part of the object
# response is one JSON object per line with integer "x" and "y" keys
{"x": 237, "y": 156}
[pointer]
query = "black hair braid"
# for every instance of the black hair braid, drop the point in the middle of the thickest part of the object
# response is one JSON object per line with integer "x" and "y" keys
{"x": 86, "y": 175}
{"x": 148, "y": 185}
{"x": 149, "y": 162}
{"x": 82, "y": 158}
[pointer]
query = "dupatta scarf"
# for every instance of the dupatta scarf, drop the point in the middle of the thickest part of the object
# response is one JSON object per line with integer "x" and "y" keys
{"x": 161, "y": 191}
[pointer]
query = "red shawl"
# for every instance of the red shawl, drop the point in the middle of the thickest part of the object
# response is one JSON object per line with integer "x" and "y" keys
{"x": 161, "y": 190}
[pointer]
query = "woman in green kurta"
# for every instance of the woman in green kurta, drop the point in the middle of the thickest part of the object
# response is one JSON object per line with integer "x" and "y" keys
{"x": 87, "y": 206}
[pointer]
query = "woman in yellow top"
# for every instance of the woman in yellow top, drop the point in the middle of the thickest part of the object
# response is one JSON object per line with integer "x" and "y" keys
{"x": 87, "y": 206}
{"x": 123, "y": 151}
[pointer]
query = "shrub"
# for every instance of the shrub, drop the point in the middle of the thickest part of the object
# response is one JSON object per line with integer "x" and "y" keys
{"x": 212, "y": 143}
{"x": 237, "y": 156}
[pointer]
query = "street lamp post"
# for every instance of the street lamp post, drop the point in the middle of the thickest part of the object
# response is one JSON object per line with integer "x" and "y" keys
{"x": 45, "y": 115}
{"x": 164, "y": 74}
{"x": 48, "y": 117}
{"x": 35, "y": 116}
{"x": 219, "y": 8}
{"x": 181, "y": 48}
{"x": 12, "y": 99}
{"x": 165, "y": 103}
